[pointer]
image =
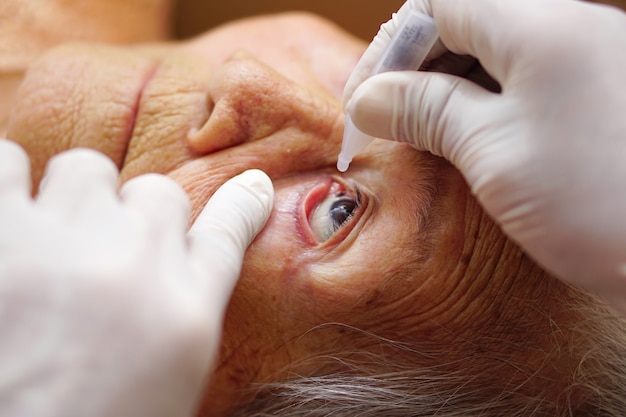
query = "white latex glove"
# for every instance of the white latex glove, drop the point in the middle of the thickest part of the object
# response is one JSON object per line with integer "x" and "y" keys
{"x": 107, "y": 307}
{"x": 546, "y": 157}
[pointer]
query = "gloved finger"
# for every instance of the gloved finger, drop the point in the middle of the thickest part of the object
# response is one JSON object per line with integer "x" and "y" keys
{"x": 370, "y": 57}
{"x": 76, "y": 178}
{"x": 225, "y": 228}
{"x": 464, "y": 66}
{"x": 497, "y": 35}
{"x": 14, "y": 172}
{"x": 435, "y": 112}
{"x": 162, "y": 202}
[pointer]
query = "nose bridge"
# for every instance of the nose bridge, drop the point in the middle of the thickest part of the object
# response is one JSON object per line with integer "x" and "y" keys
{"x": 276, "y": 123}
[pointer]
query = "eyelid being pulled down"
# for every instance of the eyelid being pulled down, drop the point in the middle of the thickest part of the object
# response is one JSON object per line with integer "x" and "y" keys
{"x": 335, "y": 211}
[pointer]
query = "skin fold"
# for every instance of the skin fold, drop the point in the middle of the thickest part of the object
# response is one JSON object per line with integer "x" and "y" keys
{"x": 417, "y": 262}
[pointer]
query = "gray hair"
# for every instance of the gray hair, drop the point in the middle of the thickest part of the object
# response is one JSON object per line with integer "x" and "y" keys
{"x": 381, "y": 386}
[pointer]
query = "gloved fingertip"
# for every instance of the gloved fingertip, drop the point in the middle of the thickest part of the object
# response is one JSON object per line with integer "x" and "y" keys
{"x": 259, "y": 184}
{"x": 243, "y": 203}
{"x": 369, "y": 113}
{"x": 84, "y": 160}
{"x": 13, "y": 150}
{"x": 229, "y": 222}
{"x": 160, "y": 200}
{"x": 14, "y": 167}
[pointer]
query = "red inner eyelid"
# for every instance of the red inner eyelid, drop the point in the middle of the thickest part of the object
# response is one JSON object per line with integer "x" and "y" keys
{"x": 315, "y": 197}
{"x": 311, "y": 201}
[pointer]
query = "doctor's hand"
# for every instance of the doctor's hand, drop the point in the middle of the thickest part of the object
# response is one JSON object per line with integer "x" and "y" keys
{"x": 546, "y": 156}
{"x": 107, "y": 306}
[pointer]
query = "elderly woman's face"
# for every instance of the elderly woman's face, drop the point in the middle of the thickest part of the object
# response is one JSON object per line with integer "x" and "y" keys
{"x": 395, "y": 247}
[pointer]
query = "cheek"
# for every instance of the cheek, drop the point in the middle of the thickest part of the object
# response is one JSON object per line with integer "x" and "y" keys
{"x": 283, "y": 251}
{"x": 292, "y": 273}
{"x": 78, "y": 96}
{"x": 278, "y": 256}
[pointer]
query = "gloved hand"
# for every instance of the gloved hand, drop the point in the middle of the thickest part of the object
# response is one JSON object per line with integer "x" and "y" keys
{"x": 546, "y": 157}
{"x": 107, "y": 306}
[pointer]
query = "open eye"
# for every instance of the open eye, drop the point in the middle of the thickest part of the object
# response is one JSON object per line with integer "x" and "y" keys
{"x": 332, "y": 213}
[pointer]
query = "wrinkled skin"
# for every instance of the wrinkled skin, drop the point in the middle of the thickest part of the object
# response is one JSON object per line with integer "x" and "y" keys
{"x": 417, "y": 262}
{"x": 28, "y": 28}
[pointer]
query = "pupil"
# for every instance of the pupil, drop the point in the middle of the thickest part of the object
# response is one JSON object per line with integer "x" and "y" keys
{"x": 340, "y": 210}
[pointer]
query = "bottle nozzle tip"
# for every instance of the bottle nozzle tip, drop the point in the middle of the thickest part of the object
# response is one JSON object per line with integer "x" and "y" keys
{"x": 342, "y": 164}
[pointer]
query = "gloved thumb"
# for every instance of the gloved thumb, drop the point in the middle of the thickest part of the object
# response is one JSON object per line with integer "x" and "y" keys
{"x": 225, "y": 228}
{"x": 437, "y": 112}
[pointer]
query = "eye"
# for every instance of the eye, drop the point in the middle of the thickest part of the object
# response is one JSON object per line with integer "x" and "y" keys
{"x": 332, "y": 213}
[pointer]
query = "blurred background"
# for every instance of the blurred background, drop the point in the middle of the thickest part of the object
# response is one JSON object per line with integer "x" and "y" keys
{"x": 361, "y": 17}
